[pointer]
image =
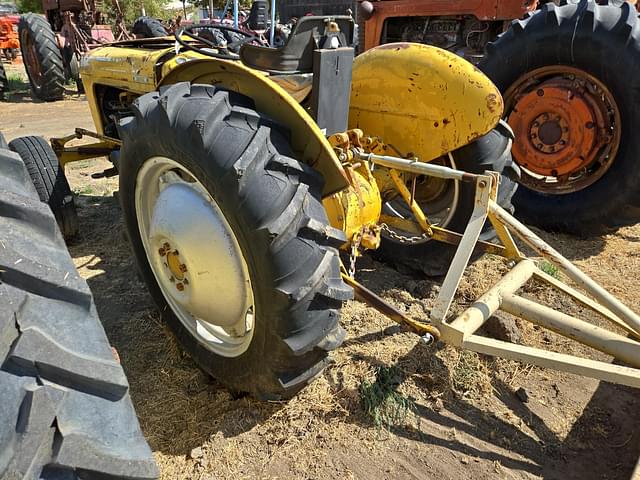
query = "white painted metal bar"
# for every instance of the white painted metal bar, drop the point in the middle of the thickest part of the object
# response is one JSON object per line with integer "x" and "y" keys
{"x": 573, "y": 272}
{"x": 479, "y": 312}
{"x": 419, "y": 167}
{"x": 464, "y": 251}
{"x": 585, "y": 301}
{"x": 621, "y": 347}
{"x": 556, "y": 361}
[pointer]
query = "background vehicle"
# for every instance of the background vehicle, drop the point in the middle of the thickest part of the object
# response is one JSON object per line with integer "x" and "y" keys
{"x": 9, "y": 43}
{"x": 569, "y": 95}
{"x": 52, "y": 45}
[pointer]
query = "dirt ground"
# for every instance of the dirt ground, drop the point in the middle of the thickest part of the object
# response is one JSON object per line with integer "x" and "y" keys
{"x": 458, "y": 414}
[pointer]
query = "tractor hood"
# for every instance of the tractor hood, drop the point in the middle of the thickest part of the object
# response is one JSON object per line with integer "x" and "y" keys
{"x": 421, "y": 99}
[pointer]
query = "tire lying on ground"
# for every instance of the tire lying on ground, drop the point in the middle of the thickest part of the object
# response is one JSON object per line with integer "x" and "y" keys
{"x": 231, "y": 237}
{"x": 570, "y": 81}
{"x": 65, "y": 410}
{"x": 148, "y": 27}
{"x": 48, "y": 177}
{"x": 42, "y": 57}
{"x": 449, "y": 204}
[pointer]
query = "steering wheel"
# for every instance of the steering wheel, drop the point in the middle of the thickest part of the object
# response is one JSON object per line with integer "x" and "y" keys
{"x": 225, "y": 49}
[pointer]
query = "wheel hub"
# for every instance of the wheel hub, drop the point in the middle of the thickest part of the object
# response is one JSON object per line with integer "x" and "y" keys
{"x": 195, "y": 256}
{"x": 567, "y": 128}
{"x": 193, "y": 239}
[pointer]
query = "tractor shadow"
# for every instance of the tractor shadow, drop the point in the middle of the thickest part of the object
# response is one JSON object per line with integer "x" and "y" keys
{"x": 179, "y": 407}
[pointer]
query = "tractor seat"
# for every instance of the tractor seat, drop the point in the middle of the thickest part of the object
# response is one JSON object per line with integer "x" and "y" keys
{"x": 258, "y": 20}
{"x": 296, "y": 56}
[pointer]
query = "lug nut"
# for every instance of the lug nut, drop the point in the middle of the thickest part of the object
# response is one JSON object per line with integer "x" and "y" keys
{"x": 180, "y": 287}
{"x": 183, "y": 268}
{"x": 162, "y": 252}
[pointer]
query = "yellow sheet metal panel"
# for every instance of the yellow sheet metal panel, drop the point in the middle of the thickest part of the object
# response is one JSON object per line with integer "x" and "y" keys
{"x": 270, "y": 99}
{"x": 423, "y": 100}
{"x": 129, "y": 69}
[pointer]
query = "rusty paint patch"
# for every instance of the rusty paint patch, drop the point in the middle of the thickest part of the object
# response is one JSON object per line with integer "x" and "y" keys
{"x": 492, "y": 103}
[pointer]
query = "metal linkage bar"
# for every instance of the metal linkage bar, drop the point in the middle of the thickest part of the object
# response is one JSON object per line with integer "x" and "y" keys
{"x": 619, "y": 309}
{"x": 460, "y": 331}
{"x": 417, "y": 166}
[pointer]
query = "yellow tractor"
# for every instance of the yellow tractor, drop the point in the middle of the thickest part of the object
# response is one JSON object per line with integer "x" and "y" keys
{"x": 245, "y": 170}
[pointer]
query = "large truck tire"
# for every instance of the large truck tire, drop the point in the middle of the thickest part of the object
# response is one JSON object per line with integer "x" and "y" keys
{"x": 570, "y": 81}
{"x": 42, "y": 57}
{"x": 65, "y": 409}
{"x": 231, "y": 238}
{"x": 50, "y": 181}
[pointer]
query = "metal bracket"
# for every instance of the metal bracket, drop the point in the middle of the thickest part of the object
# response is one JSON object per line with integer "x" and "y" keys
{"x": 83, "y": 152}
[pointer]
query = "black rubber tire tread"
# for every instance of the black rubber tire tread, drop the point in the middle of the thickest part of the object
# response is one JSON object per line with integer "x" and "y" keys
{"x": 273, "y": 203}
{"x": 50, "y": 181}
{"x": 4, "y": 82}
{"x": 65, "y": 409}
{"x": 603, "y": 40}
{"x": 433, "y": 258}
{"x": 49, "y": 57}
{"x": 148, "y": 27}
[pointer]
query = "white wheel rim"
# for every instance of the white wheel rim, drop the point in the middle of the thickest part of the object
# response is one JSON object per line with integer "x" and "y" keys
{"x": 195, "y": 257}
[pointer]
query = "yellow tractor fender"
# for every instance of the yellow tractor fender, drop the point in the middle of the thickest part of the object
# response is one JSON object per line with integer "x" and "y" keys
{"x": 423, "y": 100}
{"x": 270, "y": 99}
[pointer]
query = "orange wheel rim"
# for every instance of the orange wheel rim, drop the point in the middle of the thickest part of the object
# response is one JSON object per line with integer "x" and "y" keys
{"x": 567, "y": 126}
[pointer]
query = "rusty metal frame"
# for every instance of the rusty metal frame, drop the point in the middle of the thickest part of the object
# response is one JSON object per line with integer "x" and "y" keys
{"x": 460, "y": 331}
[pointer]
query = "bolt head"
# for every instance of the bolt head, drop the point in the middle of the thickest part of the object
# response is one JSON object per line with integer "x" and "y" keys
{"x": 162, "y": 252}
{"x": 180, "y": 286}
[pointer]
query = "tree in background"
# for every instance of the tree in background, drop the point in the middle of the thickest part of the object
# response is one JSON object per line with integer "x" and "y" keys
{"x": 29, "y": 6}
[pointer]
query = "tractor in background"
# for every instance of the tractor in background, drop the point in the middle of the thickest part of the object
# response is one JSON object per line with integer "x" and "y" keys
{"x": 9, "y": 44}
{"x": 53, "y": 44}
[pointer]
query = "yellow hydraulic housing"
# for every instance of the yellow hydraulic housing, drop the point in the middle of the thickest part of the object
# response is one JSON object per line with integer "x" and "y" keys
{"x": 356, "y": 209}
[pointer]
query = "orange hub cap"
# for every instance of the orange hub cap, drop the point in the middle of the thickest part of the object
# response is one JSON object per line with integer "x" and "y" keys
{"x": 567, "y": 128}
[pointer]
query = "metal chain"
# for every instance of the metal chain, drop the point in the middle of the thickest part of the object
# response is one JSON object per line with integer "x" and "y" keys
{"x": 407, "y": 240}
{"x": 354, "y": 255}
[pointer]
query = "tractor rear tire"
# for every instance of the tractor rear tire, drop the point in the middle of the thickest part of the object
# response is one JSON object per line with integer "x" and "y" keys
{"x": 65, "y": 408}
{"x": 50, "y": 181}
{"x": 433, "y": 258}
{"x": 604, "y": 42}
{"x": 148, "y": 27}
{"x": 42, "y": 57}
{"x": 213, "y": 146}
{"x": 4, "y": 82}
